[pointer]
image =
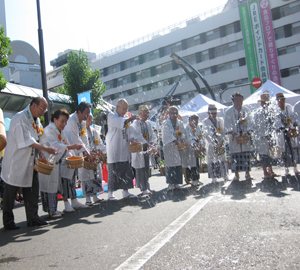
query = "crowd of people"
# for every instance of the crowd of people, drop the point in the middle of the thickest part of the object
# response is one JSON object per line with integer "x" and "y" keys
{"x": 269, "y": 130}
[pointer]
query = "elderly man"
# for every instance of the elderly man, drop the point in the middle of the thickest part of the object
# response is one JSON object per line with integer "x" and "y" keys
{"x": 172, "y": 135}
{"x": 17, "y": 166}
{"x": 143, "y": 133}
{"x": 284, "y": 121}
{"x": 215, "y": 133}
{"x": 264, "y": 134}
{"x": 117, "y": 147}
{"x": 238, "y": 123}
{"x": 190, "y": 162}
{"x": 74, "y": 133}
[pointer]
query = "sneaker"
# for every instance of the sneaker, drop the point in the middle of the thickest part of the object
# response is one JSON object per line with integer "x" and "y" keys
{"x": 171, "y": 187}
{"x": 55, "y": 214}
{"x": 214, "y": 180}
{"x": 146, "y": 192}
{"x": 77, "y": 205}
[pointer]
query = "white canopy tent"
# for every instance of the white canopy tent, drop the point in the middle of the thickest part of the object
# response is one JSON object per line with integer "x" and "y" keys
{"x": 199, "y": 105}
{"x": 271, "y": 88}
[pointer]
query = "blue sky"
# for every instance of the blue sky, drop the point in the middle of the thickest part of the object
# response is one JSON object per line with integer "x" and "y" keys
{"x": 95, "y": 25}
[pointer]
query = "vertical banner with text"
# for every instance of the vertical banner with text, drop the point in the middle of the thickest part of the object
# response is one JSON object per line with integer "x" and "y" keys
{"x": 269, "y": 41}
{"x": 248, "y": 43}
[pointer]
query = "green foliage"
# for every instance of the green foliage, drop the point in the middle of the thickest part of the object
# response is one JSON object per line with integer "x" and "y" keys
{"x": 162, "y": 163}
{"x": 79, "y": 78}
{"x": 5, "y": 51}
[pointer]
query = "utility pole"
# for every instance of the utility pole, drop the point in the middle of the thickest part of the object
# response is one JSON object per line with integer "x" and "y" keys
{"x": 42, "y": 60}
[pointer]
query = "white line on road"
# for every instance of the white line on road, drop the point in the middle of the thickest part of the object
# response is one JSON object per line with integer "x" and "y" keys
{"x": 138, "y": 259}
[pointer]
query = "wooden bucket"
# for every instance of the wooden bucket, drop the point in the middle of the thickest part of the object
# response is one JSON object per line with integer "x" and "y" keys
{"x": 135, "y": 147}
{"x": 152, "y": 151}
{"x": 162, "y": 170}
{"x": 292, "y": 133}
{"x": 182, "y": 146}
{"x": 101, "y": 157}
{"x": 75, "y": 162}
{"x": 242, "y": 139}
{"x": 200, "y": 153}
{"x": 43, "y": 166}
{"x": 90, "y": 165}
{"x": 3, "y": 140}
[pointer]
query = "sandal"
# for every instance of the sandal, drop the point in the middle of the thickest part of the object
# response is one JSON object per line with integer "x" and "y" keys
{"x": 112, "y": 198}
{"x": 235, "y": 179}
{"x": 249, "y": 178}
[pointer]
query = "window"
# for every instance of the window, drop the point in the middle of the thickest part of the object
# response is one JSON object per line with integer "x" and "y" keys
{"x": 296, "y": 28}
{"x": 229, "y": 29}
{"x": 205, "y": 55}
{"x": 279, "y": 33}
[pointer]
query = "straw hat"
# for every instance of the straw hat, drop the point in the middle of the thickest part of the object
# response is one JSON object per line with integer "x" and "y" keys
{"x": 143, "y": 108}
{"x": 212, "y": 108}
{"x": 264, "y": 97}
{"x": 280, "y": 96}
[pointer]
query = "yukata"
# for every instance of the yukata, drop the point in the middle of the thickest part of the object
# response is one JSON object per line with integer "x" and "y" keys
{"x": 217, "y": 165}
{"x": 49, "y": 183}
{"x": 143, "y": 133}
{"x": 120, "y": 174}
{"x": 288, "y": 145}
{"x": 239, "y": 123}
{"x": 171, "y": 132}
{"x": 189, "y": 160}
{"x": 74, "y": 133}
{"x": 264, "y": 126}
{"x": 17, "y": 165}
{"x": 91, "y": 180}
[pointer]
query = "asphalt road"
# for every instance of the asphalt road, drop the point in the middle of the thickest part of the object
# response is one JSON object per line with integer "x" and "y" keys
{"x": 219, "y": 226}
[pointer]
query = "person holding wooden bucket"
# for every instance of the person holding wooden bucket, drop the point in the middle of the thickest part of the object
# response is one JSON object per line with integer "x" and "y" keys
{"x": 238, "y": 122}
{"x": 191, "y": 163}
{"x": 22, "y": 149}
{"x": 143, "y": 132}
{"x": 285, "y": 122}
{"x": 173, "y": 134}
{"x": 55, "y": 136}
{"x": 91, "y": 179}
{"x": 215, "y": 136}
{"x": 120, "y": 174}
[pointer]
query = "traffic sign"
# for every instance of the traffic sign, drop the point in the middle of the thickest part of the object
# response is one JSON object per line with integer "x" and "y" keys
{"x": 256, "y": 82}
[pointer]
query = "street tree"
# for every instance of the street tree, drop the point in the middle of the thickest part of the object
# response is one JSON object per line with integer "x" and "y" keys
{"x": 5, "y": 51}
{"x": 79, "y": 78}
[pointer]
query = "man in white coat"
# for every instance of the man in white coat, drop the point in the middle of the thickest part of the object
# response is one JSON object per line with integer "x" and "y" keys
{"x": 284, "y": 121}
{"x": 238, "y": 122}
{"x": 191, "y": 163}
{"x": 143, "y": 133}
{"x": 74, "y": 133}
{"x": 120, "y": 174}
{"x": 17, "y": 166}
{"x": 172, "y": 135}
{"x": 215, "y": 135}
{"x": 264, "y": 134}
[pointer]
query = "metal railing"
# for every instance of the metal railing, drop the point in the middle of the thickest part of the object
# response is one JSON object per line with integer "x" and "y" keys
{"x": 161, "y": 32}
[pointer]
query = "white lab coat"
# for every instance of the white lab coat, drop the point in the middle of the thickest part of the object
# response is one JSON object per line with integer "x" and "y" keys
{"x": 49, "y": 183}
{"x": 171, "y": 154}
{"x": 188, "y": 156}
{"x": 84, "y": 174}
{"x": 232, "y": 123}
{"x": 117, "y": 138}
{"x": 280, "y": 117}
{"x": 209, "y": 129}
{"x": 18, "y": 161}
{"x": 138, "y": 160}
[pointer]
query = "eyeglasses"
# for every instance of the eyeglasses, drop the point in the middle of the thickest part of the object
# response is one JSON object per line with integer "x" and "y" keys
{"x": 44, "y": 110}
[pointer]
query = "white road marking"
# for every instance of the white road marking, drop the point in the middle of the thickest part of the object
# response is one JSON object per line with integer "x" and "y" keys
{"x": 138, "y": 259}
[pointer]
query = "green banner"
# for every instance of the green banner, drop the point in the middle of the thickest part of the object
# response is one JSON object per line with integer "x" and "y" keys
{"x": 249, "y": 44}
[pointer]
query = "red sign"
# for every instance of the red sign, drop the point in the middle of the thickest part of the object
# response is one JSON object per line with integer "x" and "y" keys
{"x": 256, "y": 82}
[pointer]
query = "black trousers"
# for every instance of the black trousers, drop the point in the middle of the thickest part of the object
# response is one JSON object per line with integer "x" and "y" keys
{"x": 30, "y": 195}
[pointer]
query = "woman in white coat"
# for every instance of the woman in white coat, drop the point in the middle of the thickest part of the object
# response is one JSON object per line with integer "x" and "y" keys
{"x": 142, "y": 133}
{"x": 55, "y": 136}
{"x": 92, "y": 179}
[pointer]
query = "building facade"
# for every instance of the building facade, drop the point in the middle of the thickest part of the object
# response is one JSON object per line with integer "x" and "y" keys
{"x": 143, "y": 71}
